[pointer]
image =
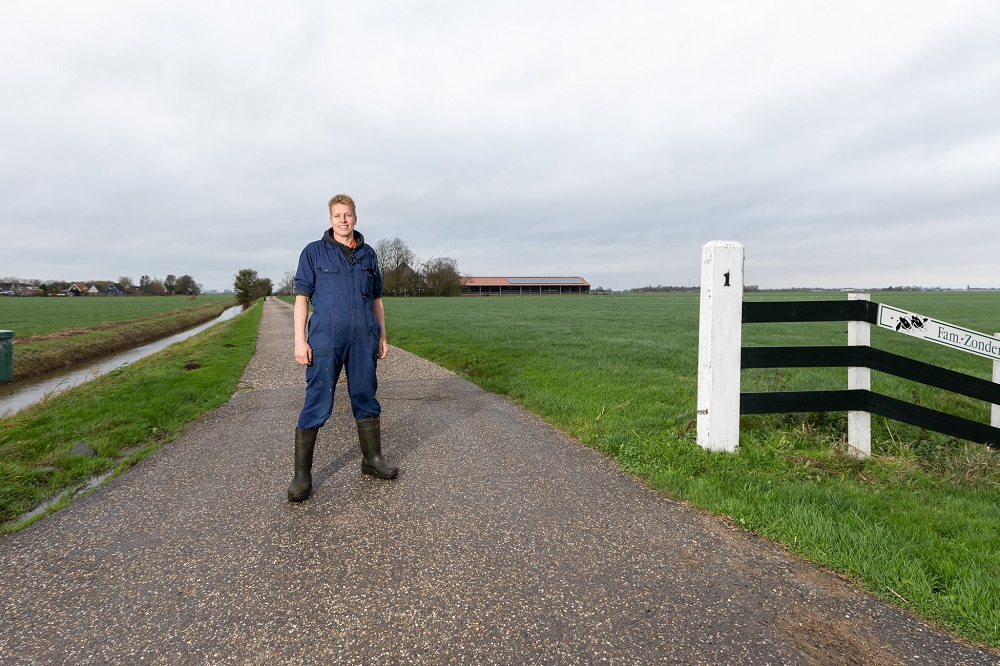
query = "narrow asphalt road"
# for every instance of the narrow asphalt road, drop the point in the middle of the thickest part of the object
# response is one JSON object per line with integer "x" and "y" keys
{"x": 503, "y": 541}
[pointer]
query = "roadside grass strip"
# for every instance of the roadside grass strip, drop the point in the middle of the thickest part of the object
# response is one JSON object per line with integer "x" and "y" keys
{"x": 918, "y": 523}
{"x": 122, "y": 416}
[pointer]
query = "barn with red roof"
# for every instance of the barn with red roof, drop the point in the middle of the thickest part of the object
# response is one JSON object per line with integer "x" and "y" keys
{"x": 524, "y": 286}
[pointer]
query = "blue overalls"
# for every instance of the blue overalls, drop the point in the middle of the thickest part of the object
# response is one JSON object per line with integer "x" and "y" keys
{"x": 342, "y": 329}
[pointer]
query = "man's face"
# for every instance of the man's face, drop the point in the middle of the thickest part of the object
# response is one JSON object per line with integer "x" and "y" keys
{"x": 342, "y": 220}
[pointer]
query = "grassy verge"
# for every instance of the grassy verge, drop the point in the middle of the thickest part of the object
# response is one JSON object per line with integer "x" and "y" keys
{"x": 123, "y": 415}
{"x": 67, "y": 348}
{"x": 918, "y": 523}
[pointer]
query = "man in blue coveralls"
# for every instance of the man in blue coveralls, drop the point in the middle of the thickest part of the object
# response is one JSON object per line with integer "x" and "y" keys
{"x": 340, "y": 275}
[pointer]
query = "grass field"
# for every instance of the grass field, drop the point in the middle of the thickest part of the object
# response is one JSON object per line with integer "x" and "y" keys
{"x": 41, "y": 316}
{"x": 55, "y": 333}
{"x": 918, "y": 523}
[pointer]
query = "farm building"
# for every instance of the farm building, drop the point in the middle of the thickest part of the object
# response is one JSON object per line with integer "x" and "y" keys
{"x": 516, "y": 286}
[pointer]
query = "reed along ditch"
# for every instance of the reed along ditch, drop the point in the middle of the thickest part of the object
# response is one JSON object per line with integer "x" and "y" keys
{"x": 20, "y": 394}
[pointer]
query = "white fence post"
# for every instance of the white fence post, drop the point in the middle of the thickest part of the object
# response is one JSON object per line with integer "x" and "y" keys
{"x": 719, "y": 339}
{"x": 859, "y": 424}
{"x": 995, "y": 410}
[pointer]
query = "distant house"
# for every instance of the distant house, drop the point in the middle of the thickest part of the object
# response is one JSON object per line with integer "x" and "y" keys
{"x": 114, "y": 289}
{"x": 78, "y": 289}
{"x": 408, "y": 281}
{"x": 523, "y": 286}
{"x": 18, "y": 289}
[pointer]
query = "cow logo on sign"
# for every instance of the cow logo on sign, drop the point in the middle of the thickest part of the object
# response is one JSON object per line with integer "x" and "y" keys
{"x": 915, "y": 323}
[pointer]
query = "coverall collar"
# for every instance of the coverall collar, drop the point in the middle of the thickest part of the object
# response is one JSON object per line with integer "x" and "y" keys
{"x": 359, "y": 240}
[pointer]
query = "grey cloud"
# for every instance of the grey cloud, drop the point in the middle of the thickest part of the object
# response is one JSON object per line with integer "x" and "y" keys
{"x": 853, "y": 144}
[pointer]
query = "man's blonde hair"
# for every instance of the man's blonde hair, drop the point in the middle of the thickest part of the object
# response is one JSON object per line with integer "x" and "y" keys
{"x": 343, "y": 199}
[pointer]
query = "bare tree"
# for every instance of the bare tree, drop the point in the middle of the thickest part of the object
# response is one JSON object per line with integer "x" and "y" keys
{"x": 442, "y": 277}
{"x": 287, "y": 285}
{"x": 396, "y": 261}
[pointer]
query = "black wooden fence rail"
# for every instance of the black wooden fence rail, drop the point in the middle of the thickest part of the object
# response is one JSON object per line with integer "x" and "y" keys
{"x": 776, "y": 402}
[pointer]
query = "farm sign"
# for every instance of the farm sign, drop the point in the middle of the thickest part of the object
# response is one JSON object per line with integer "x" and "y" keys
{"x": 943, "y": 333}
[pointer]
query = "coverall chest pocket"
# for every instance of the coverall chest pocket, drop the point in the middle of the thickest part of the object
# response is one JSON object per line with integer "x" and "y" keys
{"x": 326, "y": 276}
{"x": 328, "y": 285}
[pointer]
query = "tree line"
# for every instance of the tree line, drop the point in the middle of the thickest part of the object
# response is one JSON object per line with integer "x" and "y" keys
{"x": 171, "y": 284}
{"x": 184, "y": 285}
{"x": 403, "y": 274}
{"x": 648, "y": 289}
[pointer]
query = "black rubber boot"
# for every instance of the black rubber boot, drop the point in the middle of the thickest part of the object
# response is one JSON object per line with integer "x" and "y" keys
{"x": 370, "y": 437}
{"x": 305, "y": 441}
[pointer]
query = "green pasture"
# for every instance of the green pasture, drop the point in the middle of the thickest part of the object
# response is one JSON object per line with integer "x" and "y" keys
{"x": 42, "y": 315}
{"x": 918, "y": 523}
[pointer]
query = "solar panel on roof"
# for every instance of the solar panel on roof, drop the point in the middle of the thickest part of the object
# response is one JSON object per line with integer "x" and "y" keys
{"x": 545, "y": 280}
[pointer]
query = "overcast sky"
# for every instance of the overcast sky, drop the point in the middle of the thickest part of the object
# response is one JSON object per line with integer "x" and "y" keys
{"x": 849, "y": 143}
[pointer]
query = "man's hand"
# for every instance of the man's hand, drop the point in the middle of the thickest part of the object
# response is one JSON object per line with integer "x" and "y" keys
{"x": 303, "y": 353}
{"x": 383, "y": 348}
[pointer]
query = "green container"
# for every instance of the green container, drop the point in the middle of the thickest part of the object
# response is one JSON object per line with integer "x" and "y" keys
{"x": 6, "y": 355}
